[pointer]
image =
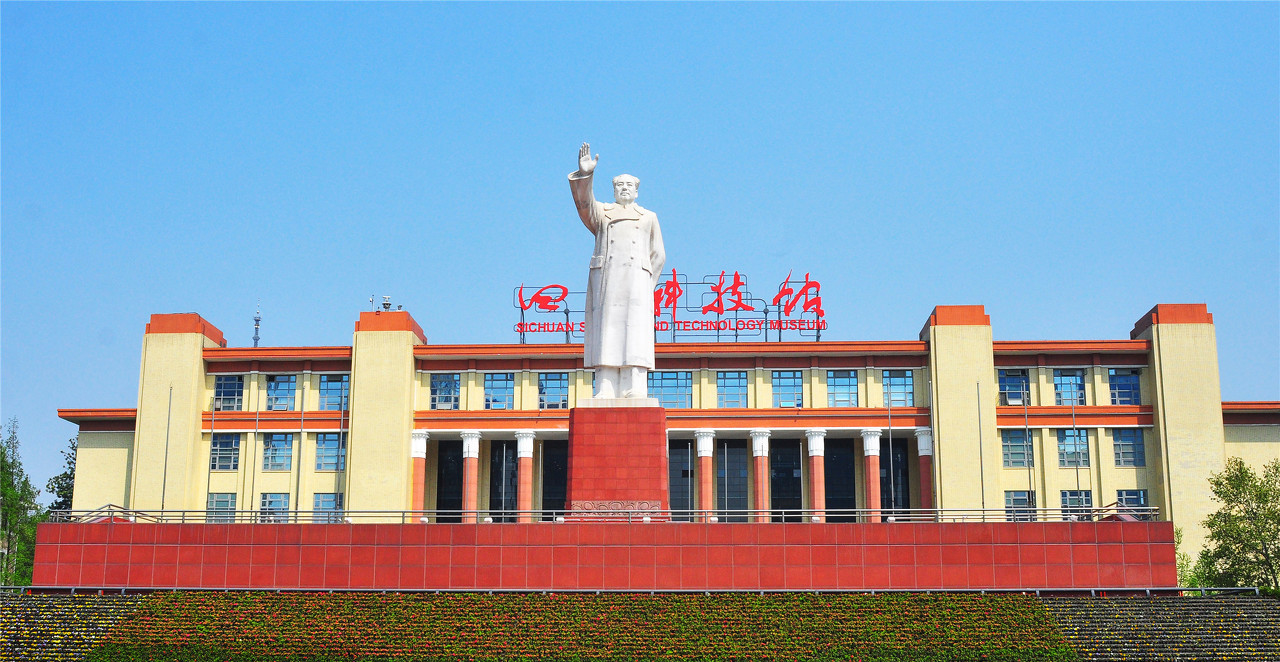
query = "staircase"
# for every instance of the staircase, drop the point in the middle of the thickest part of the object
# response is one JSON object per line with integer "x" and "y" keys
{"x": 1170, "y": 628}
{"x": 57, "y": 627}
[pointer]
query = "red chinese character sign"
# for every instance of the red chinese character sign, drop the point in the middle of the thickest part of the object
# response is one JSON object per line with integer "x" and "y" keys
{"x": 715, "y": 307}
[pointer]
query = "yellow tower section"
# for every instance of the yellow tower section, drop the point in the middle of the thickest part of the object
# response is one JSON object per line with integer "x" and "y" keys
{"x": 962, "y": 397}
{"x": 379, "y": 467}
{"x": 1188, "y": 411}
{"x": 170, "y": 400}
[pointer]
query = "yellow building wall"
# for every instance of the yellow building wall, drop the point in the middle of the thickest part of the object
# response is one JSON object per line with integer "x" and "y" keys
{"x": 382, "y": 406}
{"x": 967, "y": 455}
{"x": 1255, "y": 444}
{"x": 1187, "y": 402}
{"x": 171, "y": 396}
{"x": 104, "y": 462}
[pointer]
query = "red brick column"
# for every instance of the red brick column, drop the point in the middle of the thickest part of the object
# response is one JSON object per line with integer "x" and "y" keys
{"x": 924, "y": 449}
{"x": 706, "y": 470}
{"x": 871, "y": 455}
{"x": 618, "y": 458}
{"x": 817, "y": 472}
{"x": 470, "y": 474}
{"x": 760, "y": 454}
{"x": 524, "y": 474}
{"x": 418, "y": 454}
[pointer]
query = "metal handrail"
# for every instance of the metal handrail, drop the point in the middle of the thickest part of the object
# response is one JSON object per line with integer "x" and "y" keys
{"x": 118, "y": 514}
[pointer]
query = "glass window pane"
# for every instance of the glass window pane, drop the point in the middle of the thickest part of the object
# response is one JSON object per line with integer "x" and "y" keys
{"x": 331, "y": 451}
{"x": 327, "y": 508}
{"x": 499, "y": 390}
{"x": 1068, "y": 387}
{"x": 225, "y": 453}
{"x": 228, "y": 393}
{"x": 277, "y": 451}
{"x": 1077, "y": 504}
{"x": 899, "y": 388}
{"x": 1019, "y": 505}
{"x": 221, "y": 507}
{"x": 842, "y": 388}
{"x": 274, "y": 507}
{"x": 1015, "y": 387}
{"x": 1073, "y": 448}
{"x": 1124, "y": 386}
{"x": 280, "y": 392}
{"x": 1016, "y": 449}
{"x": 1129, "y": 447}
{"x": 731, "y": 389}
{"x": 333, "y": 392}
{"x": 553, "y": 390}
{"x": 673, "y": 389}
{"x": 445, "y": 388}
{"x": 788, "y": 388}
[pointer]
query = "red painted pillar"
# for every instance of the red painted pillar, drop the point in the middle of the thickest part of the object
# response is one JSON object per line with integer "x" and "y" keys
{"x": 871, "y": 455}
{"x": 760, "y": 452}
{"x": 817, "y": 473}
{"x": 706, "y": 471}
{"x": 470, "y": 474}
{"x": 524, "y": 475}
{"x": 418, "y": 454}
{"x": 924, "y": 449}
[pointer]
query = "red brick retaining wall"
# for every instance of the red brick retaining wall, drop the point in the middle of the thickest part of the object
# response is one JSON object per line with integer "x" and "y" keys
{"x": 609, "y": 556}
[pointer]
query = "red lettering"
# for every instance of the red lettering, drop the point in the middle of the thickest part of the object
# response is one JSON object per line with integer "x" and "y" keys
{"x": 667, "y": 296}
{"x": 544, "y": 301}
{"x": 812, "y": 302}
{"x": 735, "y": 294}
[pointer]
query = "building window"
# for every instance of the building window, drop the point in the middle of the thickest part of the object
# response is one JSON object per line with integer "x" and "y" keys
{"x": 1020, "y": 505}
{"x": 331, "y": 451}
{"x": 274, "y": 508}
{"x": 1068, "y": 387}
{"x": 788, "y": 388}
{"x": 499, "y": 390}
{"x": 731, "y": 389}
{"x": 1124, "y": 386}
{"x": 1015, "y": 387}
{"x": 1130, "y": 451}
{"x": 327, "y": 507}
{"x": 553, "y": 390}
{"x": 225, "y": 453}
{"x": 1073, "y": 448}
{"x": 673, "y": 389}
{"x": 228, "y": 393}
{"x": 1077, "y": 504}
{"x": 445, "y": 387}
{"x": 1016, "y": 449}
{"x": 333, "y": 392}
{"x": 842, "y": 388}
{"x": 221, "y": 508}
{"x": 899, "y": 390}
{"x": 1134, "y": 499}
{"x": 280, "y": 392}
{"x": 277, "y": 451}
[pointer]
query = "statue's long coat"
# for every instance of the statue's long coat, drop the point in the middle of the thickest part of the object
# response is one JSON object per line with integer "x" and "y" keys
{"x": 624, "y": 271}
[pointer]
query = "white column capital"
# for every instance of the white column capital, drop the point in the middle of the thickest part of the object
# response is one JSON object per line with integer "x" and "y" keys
{"x": 470, "y": 443}
{"x": 817, "y": 441}
{"x": 524, "y": 443}
{"x": 704, "y": 438}
{"x": 759, "y": 442}
{"x": 871, "y": 441}
{"x": 924, "y": 441}
{"x": 418, "y": 443}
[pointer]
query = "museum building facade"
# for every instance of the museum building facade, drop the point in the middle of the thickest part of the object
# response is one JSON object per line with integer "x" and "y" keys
{"x": 392, "y": 428}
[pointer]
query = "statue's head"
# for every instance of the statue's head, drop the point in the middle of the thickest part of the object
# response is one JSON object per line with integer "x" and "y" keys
{"x": 626, "y": 189}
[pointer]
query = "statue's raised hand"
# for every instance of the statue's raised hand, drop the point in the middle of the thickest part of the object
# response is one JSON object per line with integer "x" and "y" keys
{"x": 586, "y": 164}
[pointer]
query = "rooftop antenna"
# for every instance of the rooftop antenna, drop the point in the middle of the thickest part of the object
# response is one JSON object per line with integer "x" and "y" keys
{"x": 257, "y": 322}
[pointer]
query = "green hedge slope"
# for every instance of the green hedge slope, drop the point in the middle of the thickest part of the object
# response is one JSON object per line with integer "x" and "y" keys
{"x": 371, "y": 626}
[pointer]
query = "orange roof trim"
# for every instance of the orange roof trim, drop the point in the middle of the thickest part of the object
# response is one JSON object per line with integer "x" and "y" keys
{"x": 185, "y": 323}
{"x": 1173, "y": 313}
{"x": 390, "y": 320}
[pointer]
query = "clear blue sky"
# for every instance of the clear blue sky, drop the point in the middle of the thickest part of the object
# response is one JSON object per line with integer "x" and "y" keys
{"x": 1066, "y": 165}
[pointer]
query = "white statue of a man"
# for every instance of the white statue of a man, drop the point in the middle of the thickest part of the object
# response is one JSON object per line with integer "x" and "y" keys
{"x": 625, "y": 268}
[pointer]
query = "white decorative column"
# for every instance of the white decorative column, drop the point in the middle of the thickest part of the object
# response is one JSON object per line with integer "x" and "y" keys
{"x": 418, "y": 457}
{"x": 706, "y": 470}
{"x": 871, "y": 460}
{"x": 470, "y": 474}
{"x": 817, "y": 439}
{"x": 924, "y": 449}
{"x": 760, "y": 454}
{"x": 524, "y": 475}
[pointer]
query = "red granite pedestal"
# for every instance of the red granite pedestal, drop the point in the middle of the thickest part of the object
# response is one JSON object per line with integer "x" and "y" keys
{"x": 618, "y": 459}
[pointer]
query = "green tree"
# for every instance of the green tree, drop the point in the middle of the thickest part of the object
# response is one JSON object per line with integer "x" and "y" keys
{"x": 19, "y": 513}
{"x": 1243, "y": 547}
{"x": 63, "y": 485}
